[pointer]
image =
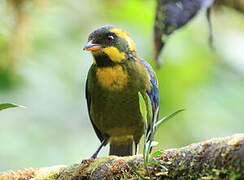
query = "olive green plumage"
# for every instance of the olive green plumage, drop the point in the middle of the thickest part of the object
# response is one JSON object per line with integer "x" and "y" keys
{"x": 113, "y": 83}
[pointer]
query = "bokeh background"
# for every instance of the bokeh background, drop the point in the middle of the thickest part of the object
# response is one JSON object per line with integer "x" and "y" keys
{"x": 43, "y": 67}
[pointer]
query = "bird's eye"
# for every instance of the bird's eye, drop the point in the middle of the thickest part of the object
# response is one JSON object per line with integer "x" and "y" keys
{"x": 111, "y": 38}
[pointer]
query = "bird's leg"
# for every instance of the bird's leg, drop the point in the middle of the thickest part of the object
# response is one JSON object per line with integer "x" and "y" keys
{"x": 136, "y": 148}
{"x": 104, "y": 142}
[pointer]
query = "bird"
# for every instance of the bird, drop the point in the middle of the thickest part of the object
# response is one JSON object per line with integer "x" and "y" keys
{"x": 172, "y": 15}
{"x": 119, "y": 83}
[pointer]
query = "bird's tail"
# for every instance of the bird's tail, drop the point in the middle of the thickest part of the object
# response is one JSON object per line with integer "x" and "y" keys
{"x": 121, "y": 149}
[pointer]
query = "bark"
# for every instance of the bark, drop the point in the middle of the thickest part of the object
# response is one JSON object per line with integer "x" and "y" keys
{"x": 219, "y": 158}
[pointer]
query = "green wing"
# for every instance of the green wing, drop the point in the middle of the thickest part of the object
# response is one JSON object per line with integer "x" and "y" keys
{"x": 89, "y": 99}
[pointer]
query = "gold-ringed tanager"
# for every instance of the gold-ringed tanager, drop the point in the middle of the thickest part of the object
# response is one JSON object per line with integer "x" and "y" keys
{"x": 116, "y": 81}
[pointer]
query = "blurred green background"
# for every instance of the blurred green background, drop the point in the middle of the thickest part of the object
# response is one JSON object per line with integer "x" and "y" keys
{"x": 43, "y": 67}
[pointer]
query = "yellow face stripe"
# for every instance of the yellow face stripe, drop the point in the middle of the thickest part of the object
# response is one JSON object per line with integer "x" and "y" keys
{"x": 112, "y": 78}
{"x": 114, "y": 54}
{"x": 125, "y": 36}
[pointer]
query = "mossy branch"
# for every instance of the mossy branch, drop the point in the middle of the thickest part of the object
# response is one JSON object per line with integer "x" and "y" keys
{"x": 220, "y": 158}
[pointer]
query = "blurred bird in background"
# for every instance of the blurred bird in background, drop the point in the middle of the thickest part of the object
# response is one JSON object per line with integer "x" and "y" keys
{"x": 172, "y": 15}
{"x": 117, "y": 83}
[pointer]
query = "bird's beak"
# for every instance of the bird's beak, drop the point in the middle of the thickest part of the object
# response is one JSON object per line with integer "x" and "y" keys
{"x": 92, "y": 47}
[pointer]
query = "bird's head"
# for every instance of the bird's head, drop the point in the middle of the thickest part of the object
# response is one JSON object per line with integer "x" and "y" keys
{"x": 110, "y": 45}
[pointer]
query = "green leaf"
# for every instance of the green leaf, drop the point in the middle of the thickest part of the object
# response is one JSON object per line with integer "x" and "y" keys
{"x": 156, "y": 154}
{"x": 143, "y": 106}
{"x": 168, "y": 117}
{"x": 149, "y": 135}
{"x": 8, "y": 105}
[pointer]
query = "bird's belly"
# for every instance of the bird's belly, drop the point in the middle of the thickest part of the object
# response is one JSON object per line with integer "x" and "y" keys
{"x": 118, "y": 114}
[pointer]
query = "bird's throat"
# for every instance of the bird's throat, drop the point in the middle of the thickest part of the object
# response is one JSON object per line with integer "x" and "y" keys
{"x": 103, "y": 60}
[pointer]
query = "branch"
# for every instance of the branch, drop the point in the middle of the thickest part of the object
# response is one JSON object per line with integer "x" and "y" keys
{"x": 220, "y": 158}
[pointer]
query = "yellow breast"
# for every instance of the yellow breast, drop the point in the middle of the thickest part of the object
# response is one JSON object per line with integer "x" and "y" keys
{"x": 112, "y": 78}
